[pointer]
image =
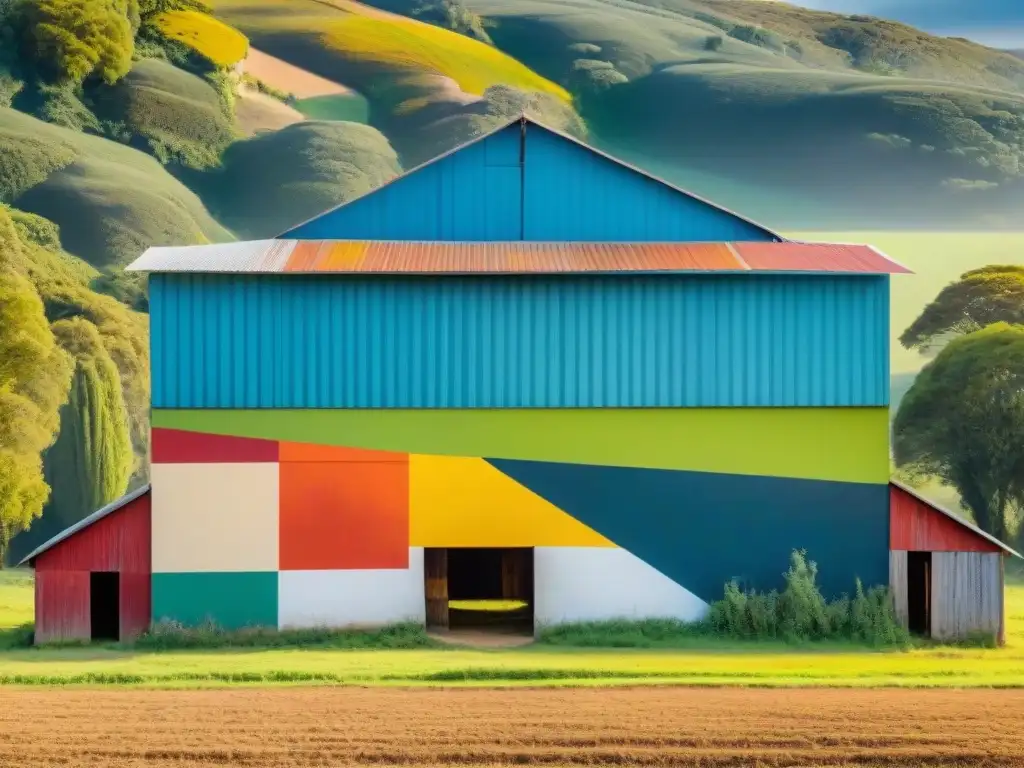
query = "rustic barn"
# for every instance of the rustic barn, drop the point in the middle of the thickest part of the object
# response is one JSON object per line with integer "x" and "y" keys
{"x": 522, "y": 374}
{"x": 92, "y": 580}
{"x": 946, "y": 575}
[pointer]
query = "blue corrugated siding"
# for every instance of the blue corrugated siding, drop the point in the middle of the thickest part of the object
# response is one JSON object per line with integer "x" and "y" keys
{"x": 482, "y": 193}
{"x": 572, "y": 193}
{"x": 334, "y": 342}
{"x": 471, "y": 195}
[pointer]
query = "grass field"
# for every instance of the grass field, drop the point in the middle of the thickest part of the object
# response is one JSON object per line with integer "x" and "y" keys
{"x": 691, "y": 661}
{"x": 213, "y": 39}
{"x": 288, "y": 728}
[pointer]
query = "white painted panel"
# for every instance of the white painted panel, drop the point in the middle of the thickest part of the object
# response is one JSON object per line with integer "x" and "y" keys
{"x": 215, "y": 517}
{"x": 370, "y": 598}
{"x": 596, "y": 584}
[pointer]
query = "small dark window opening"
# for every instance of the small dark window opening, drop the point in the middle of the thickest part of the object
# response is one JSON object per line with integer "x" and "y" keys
{"x": 104, "y": 588}
{"x": 919, "y": 592}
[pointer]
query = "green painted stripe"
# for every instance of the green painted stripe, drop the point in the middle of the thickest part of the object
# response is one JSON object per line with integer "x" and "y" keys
{"x": 846, "y": 444}
{"x": 229, "y": 600}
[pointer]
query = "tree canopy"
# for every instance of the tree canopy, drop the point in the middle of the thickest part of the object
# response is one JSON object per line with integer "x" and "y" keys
{"x": 34, "y": 375}
{"x": 980, "y": 297}
{"x": 69, "y": 41}
{"x": 963, "y": 421}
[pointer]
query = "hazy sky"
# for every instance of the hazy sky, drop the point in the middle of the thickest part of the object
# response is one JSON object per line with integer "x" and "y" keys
{"x": 998, "y": 23}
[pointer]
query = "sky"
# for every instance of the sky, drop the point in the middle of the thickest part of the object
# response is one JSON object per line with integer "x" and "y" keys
{"x": 998, "y": 23}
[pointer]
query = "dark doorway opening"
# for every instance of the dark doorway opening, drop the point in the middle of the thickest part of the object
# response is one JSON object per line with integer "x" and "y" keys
{"x": 104, "y": 589}
{"x": 480, "y": 588}
{"x": 919, "y": 592}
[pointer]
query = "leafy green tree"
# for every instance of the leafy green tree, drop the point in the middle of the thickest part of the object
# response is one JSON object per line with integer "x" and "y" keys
{"x": 34, "y": 374}
{"x": 69, "y": 41}
{"x": 963, "y": 421}
{"x": 91, "y": 462}
{"x": 980, "y": 297}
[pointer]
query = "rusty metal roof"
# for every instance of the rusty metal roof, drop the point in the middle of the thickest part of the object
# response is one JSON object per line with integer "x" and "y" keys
{"x": 440, "y": 258}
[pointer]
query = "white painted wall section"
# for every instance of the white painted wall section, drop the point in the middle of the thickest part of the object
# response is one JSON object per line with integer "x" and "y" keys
{"x": 597, "y": 584}
{"x": 366, "y": 598}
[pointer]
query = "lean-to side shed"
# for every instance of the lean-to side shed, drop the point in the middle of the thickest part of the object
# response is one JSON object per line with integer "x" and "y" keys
{"x": 93, "y": 578}
{"x": 946, "y": 575}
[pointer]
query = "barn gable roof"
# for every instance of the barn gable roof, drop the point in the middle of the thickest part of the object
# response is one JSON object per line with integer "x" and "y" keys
{"x": 960, "y": 521}
{"x": 314, "y": 228}
{"x": 84, "y": 523}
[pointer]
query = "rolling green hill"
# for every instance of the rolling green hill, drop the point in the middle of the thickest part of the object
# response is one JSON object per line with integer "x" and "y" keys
{"x": 110, "y": 201}
{"x": 884, "y": 123}
{"x": 278, "y": 179}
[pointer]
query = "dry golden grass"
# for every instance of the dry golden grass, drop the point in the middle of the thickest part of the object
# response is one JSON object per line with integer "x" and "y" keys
{"x": 653, "y": 726}
{"x": 221, "y": 44}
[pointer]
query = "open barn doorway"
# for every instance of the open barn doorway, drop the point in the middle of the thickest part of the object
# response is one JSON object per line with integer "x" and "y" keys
{"x": 471, "y": 589}
{"x": 919, "y": 593}
{"x": 104, "y": 615}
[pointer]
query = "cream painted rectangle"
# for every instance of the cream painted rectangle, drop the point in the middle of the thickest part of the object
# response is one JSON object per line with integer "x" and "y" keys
{"x": 595, "y": 584}
{"x": 370, "y": 598}
{"x": 215, "y": 517}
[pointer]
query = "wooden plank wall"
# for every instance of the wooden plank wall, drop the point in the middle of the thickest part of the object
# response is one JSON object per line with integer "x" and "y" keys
{"x": 898, "y": 585}
{"x": 967, "y": 594}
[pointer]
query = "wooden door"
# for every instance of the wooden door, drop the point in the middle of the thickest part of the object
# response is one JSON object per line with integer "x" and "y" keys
{"x": 435, "y": 572}
{"x": 517, "y": 575}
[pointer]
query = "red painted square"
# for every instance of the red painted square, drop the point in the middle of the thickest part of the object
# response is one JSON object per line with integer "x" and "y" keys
{"x": 344, "y": 515}
{"x": 177, "y": 446}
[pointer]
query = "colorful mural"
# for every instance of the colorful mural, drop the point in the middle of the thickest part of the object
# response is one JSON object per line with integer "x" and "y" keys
{"x": 318, "y": 517}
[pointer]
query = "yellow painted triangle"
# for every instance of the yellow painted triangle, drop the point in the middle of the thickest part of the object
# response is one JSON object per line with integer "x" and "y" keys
{"x": 466, "y": 502}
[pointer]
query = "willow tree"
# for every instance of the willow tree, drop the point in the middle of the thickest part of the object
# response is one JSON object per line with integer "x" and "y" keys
{"x": 34, "y": 374}
{"x": 91, "y": 462}
{"x": 963, "y": 421}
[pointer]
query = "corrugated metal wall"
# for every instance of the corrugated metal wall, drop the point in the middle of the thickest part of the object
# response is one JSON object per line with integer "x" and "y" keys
{"x": 119, "y": 542}
{"x": 679, "y": 341}
{"x": 914, "y": 526}
{"x": 572, "y": 194}
{"x": 548, "y": 188}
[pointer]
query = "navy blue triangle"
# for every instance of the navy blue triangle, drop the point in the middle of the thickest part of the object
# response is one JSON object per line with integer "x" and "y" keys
{"x": 702, "y": 529}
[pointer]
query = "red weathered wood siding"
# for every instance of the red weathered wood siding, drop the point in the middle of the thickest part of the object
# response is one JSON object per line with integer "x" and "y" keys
{"x": 62, "y": 606}
{"x": 119, "y": 542}
{"x": 914, "y": 526}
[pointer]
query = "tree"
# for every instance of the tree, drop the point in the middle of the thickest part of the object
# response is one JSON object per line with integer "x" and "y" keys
{"x": 69, "y": 41}
{"x": 34, "y": 376}
{"x": 979, "y": 298}
{"x": 91, "y": 462}
{"x": 963, "y": 421}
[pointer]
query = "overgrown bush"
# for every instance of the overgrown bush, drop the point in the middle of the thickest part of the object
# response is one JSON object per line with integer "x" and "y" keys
{"x": 800, "y": 613}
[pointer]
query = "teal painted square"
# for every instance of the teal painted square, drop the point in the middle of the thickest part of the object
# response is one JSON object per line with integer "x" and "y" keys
{"x": 229, "y": 600}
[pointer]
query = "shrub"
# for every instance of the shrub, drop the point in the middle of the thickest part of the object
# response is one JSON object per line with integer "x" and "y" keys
{"x": 713, "y": 43}
{"x": 801, "y": 613}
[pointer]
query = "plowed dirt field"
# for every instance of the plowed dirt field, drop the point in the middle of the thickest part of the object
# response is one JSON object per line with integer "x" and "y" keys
{"x": 653, "y": 726}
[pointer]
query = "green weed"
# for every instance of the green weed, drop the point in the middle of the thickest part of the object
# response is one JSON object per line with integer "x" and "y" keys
{"x": 167, "y": 636}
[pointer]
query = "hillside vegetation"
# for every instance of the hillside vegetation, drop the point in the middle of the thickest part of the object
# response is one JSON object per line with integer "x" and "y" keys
{"x": 429, "y": 88}
{"x": 215, "y": 41}
{"x": 884, "y": 122}
{"x": 276, "y": 180}
{"x": 110, "y": 202}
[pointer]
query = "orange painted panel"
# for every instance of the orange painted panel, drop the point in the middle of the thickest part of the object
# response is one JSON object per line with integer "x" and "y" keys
{"x": 316, "y": 452}
{"x": 344, "y": 516}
